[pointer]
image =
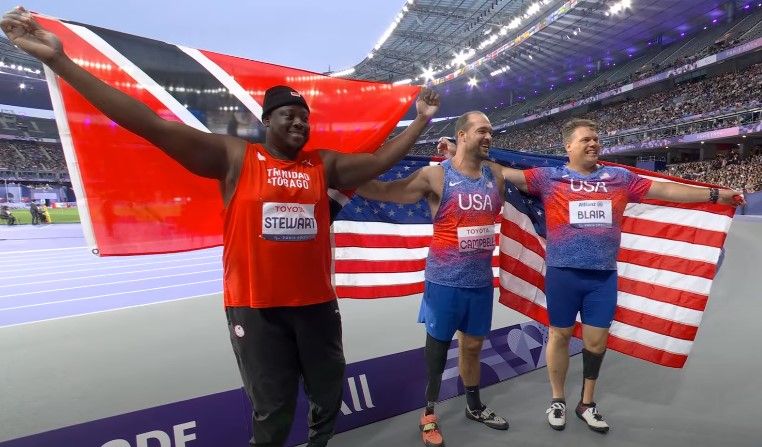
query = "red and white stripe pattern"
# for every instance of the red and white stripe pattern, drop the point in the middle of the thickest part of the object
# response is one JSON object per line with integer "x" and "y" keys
{"x": 667, "y": 260}
{"x": 666, "y": 264}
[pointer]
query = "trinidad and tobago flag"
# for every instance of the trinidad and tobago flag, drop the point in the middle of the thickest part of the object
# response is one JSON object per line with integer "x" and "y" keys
{"x": 136, "y": 200}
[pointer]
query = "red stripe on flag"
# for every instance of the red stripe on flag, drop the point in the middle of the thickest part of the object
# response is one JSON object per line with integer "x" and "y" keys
{"x": 655, "y": 324}
{"x": 529, "y": 240}
{"x": 722, "y": 210}
{"x": 396, "y": 290}
{"x": 670, "y": 263}
{"x": 673, "y": 232}
{"x": 367, "y": 266}
{"x": 523, "y": 305}
{"x": 523, "y": 271}
{"x": 380, "y": 241}
{"x": 640, "y": 351}
{"x": 677, "y": 297}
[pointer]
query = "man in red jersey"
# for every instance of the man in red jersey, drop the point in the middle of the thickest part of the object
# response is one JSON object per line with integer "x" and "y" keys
{"x": 282, "y": 311}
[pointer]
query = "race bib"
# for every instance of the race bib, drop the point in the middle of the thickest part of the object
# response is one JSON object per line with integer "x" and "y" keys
{"x": 590, "y": 213}
{"x": 288, "y": 221}
{"x": 476, "y": 238}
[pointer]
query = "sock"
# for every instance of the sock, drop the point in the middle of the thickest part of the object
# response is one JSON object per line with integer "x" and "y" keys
{"x": 472, "y": 398}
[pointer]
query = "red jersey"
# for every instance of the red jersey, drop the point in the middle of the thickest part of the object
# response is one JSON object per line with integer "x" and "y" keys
{"x": 277, "y": 248}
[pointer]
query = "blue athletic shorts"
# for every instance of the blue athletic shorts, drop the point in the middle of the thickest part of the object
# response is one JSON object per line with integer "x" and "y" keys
{"x": 446, "y": 309}
{"x": 592, "y": 293}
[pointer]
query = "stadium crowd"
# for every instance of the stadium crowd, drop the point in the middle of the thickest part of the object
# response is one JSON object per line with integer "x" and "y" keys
{"x": 20, "y": 155}
{"x": 726, "y": 41}
{"x": 734, "y": 171}
{"x": 688, "y": 102}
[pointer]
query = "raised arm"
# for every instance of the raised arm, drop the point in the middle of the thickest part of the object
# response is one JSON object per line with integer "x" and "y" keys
{"x": 346, "y": 171}
{"x": 202, "y": 153}
{"x": 515, "y": 176}
{"x": 410, "y": 189}
{"x": 676, "y": 192}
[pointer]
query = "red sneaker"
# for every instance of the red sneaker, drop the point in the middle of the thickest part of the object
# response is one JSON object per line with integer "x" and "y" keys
{"x": 430, "y": 433}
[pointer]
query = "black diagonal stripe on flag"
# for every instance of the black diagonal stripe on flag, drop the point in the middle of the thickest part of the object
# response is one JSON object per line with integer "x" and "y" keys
{"x": 187, "y": 81}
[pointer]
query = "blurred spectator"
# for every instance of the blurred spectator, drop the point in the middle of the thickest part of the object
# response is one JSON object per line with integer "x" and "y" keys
{"x": 730, "y": 171}
{"x": 688, "y": 102}
{"x": 5, "y": 214}
{"x": 446, "y": 147}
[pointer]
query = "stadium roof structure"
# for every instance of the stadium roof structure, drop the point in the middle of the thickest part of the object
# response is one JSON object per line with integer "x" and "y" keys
{"x": 537, "y": 41}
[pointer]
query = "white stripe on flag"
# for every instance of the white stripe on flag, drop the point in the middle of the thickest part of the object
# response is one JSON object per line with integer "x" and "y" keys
{"x": 382, "y": 228}
{"x": 338, "y": 196}
{"x": 679, "y": 216}
{"x": 517, "y": 251}
{"x": 648, "y": 338}
{"x": 517, "y": 285}
{"x": 380, "y": 254}
{"x": 522, "y": 220}
{"x": 685, "y": 250}
{"x": 225, "y": 79}
{"x": 139, "y": 75}
{"x": 664, "y": 278}
{"x": 377, "y": 279}
{"x": 659, "y": 309}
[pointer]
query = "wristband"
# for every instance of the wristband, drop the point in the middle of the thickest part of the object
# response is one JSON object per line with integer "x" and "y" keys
{"x": 714, "y": 195}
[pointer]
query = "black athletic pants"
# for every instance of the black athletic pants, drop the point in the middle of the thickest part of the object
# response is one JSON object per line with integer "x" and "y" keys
{"x": 274, "y": 347}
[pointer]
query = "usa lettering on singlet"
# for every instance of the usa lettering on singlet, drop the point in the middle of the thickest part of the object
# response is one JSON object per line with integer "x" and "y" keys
{"x": 460, "y": 254}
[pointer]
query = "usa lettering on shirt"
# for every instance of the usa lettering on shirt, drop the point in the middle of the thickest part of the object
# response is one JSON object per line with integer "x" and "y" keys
{"x": 476, "y": 202}
{"x": 590, "y": 213}
{"x": 288, "y": 179}
{"x": 288, "y": 221}
{"x": 476, "y": 238}
{"x": 587, "y": 186}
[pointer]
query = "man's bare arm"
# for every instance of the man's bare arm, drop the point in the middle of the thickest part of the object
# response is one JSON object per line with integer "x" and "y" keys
{"x": 410, "y": 189}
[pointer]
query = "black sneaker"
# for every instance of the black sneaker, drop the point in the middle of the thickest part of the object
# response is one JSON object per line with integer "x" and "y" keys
{"x": 487, "y": 417}
{"x": 589, "y": 414}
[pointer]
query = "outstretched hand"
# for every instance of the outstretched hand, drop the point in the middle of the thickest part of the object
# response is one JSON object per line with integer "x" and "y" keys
{"x": 24, "y": 32}
{"x": 427, "y": 103}
{"x": 732, "y": 198}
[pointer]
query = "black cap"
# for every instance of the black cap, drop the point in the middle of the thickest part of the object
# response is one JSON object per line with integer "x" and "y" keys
{"x": 280, "y": 96}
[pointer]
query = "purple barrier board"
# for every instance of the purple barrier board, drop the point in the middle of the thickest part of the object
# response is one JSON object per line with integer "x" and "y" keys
{"x": 374, "y": 390}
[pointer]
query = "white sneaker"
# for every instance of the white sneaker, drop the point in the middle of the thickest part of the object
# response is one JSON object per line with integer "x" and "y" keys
{"x": 557, "y": 415}
{"x": 589, "y": 414}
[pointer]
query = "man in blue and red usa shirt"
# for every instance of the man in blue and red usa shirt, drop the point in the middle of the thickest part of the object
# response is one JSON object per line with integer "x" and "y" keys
{"x": 584, "y": 206}
{"x": 465, "y": 196}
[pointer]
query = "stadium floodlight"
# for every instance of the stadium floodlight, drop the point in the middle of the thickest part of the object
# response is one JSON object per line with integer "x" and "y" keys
{"x": 463, "y": 56}
{"x": 402, "y": 82}
{"x": 473, "y": 82}
{"x": 514, "y": 23}
{"x": 500, "y": 71}
{"x": 22, "y": 86}
{"x": 341, "y": 73}
{"x": 533, "y": 9}
{"x": 620, "y": 6}
{"x": 428, "y": 74}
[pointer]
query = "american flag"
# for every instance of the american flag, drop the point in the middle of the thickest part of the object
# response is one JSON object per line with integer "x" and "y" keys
{"x": 667, "y": 260}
